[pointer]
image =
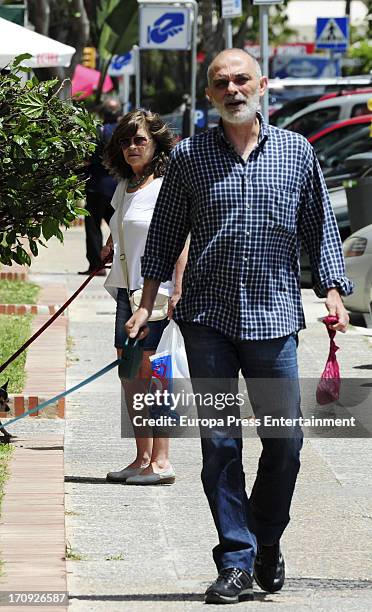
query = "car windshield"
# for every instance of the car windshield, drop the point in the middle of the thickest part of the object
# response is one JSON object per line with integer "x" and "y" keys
{"x": 333, "y": 159}
{"x": 314, "y": 121}
{"x": 322, "y": 144}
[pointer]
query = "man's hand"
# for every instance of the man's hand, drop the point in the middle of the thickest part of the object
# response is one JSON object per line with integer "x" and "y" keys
{"x": 136, "y": 323}
{"x": 173, "y": 303}
{"x": 336, "y": 308}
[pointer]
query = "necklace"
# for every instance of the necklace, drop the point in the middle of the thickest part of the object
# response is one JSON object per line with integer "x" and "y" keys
{"x": 133, "y": 182}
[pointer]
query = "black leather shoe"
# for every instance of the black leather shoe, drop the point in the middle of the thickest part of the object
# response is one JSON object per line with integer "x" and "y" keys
{"x": 269, "y": 568}
{"x": 232, "y": 585}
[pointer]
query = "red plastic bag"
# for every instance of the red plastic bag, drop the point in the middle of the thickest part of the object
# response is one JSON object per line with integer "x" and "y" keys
{"x": 328, "y": 389}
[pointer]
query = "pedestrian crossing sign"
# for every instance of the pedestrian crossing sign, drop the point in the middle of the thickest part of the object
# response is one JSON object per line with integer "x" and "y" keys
{"x": 332, "y": 33}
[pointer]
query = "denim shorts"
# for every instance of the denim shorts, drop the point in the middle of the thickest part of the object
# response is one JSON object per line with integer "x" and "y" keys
{"x": 123, "y": 313}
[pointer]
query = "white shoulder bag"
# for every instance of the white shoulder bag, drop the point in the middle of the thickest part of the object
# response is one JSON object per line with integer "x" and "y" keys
{"x": 160, "y": 309}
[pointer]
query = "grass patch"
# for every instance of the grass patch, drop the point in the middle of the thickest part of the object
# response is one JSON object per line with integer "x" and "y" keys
{"x": 18, "y": 292}
{"x": 72, "y": 554}
{"x": 119, "y": 557}
{"x": 5, "y": 454}
{"x": 14, "y": 331}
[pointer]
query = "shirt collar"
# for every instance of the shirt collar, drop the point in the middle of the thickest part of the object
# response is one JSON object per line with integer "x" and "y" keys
{"x": 262, "y": 136}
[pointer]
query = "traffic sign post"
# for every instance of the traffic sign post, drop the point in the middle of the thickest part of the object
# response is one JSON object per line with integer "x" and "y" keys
{"x": 121, "y": 64}
{"x": 265, "y": 49}
{"x": 230, "y": 9}
{"x": 332, "y": 33}
{"x": 164, "y": 26}
{"x": 167, "y": 25}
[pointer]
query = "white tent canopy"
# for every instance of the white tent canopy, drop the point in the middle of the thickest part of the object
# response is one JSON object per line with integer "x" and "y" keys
{"x": 15, "y": 40}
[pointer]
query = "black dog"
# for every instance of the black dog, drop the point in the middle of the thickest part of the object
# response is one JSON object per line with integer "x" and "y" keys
{"x": 4, "y": 407}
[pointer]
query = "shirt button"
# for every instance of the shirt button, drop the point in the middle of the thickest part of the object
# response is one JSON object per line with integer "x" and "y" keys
{"x": 247, "y": 233}
{"x": 248, "y": 205}
{"x": 245, "y": 258}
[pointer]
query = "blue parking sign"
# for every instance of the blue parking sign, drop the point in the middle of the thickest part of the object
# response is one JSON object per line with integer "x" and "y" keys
{"x": 164, "y": 27}
{"x": 332, "y": 33}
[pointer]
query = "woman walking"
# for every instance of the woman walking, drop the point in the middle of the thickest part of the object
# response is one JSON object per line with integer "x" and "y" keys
{"x": 137, "y": 155}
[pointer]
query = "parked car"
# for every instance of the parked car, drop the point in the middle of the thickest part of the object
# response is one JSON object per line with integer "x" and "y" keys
{"x": 358, "y": 259}
{"x": 327, "y": 136}
{"x": 333, "y": 145}
{"x": 325, "y": 112}
{"x": 338, "y": 200}
{"x": 279, "y": 116}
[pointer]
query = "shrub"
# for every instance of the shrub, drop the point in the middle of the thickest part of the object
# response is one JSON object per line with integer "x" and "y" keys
{"x": 44, "y": 142}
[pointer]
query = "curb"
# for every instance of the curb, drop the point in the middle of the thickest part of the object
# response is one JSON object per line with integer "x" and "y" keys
{"x": 14, "y": 272}
{"x": 46, "y": 357}
{"x": 32, "y": 526}
{"x": 19, "y": 404}
{"x": 36, "y": 309}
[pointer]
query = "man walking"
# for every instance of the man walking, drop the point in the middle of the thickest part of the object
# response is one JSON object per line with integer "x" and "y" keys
{"x": 248, "y": 194}
{"x": 100, "y": 187}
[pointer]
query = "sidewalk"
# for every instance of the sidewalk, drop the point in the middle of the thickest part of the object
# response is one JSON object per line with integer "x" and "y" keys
{"x": 142, "y": 549}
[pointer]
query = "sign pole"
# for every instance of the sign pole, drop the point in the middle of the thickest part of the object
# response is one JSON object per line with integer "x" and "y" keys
{"x": 228, "y": 34}
{"x": 264, "y": 42}
{"x": 193, "y": 66}
{"x": 137, "y": 68}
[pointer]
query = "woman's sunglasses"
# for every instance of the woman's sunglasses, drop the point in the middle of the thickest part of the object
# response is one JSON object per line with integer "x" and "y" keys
{"x": 139, "y": 141}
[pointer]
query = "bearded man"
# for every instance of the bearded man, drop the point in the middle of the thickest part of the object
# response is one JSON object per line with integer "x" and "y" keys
{"x": 248, "y": 194}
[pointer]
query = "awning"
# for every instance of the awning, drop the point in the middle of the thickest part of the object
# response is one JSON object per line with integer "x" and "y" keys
{"x": 45, "y": 51}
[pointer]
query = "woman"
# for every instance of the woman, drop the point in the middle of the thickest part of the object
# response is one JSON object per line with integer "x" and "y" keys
{"x": 137, "y": 155}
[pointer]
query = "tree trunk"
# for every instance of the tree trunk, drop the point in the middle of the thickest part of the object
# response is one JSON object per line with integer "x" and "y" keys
{"x": 78, "y": 34}
{"x": 39, "y": 13}
{"x": 211, "y": 41}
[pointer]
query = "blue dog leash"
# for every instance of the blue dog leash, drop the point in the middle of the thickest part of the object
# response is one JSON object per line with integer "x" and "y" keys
{"x": 67, "y": 392}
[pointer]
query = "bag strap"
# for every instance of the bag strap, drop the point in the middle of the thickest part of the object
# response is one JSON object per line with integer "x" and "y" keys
{"x": 123, "y": 259}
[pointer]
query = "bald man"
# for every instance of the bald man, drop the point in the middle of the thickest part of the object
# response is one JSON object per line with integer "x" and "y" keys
{"x": 248, "y": 194}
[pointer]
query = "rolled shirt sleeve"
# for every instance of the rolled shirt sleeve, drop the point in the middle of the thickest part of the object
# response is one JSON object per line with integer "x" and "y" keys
{"x": 319, "y": 232}
{"x": 169, "y": 227}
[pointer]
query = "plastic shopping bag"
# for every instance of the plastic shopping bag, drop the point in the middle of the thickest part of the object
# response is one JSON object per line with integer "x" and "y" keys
{"x": 328, "y": 389}
{"x": 168, "y": 365}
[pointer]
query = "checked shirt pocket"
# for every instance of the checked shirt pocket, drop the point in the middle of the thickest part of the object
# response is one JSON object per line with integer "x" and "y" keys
{"x": 282, "y": 211}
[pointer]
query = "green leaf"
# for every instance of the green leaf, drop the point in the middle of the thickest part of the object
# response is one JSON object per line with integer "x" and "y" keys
{"x": 34, "y": 231}
{"x": 23, "y": 256}
{"x": 59, "y": 235}
{"x": 10, "y": 237}
{"x": 82, "y": 211}
{"x": 32, "y": 105}
{"x": 50, "y": 227}
{"x": 20, "y": 58}
{"x": 33, "y": 248}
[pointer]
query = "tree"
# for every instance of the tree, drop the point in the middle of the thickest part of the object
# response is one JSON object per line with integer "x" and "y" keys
{"x": 66, "y": 21}
{"x": 245, "y": 28}
{"x": 44, "y": 143}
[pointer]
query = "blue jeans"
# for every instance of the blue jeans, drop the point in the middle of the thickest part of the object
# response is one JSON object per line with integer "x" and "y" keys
{"x": 243, "y": 522}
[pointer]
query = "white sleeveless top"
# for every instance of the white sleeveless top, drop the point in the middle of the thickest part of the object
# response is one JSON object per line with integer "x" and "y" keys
{"x": 136, "y": 214}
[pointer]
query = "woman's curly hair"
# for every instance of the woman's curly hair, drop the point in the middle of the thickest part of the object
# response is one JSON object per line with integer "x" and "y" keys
{"x": 163, "y": 137}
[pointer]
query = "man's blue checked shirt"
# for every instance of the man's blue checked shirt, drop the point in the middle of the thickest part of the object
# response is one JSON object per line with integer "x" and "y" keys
{"x": 247, "y": 221}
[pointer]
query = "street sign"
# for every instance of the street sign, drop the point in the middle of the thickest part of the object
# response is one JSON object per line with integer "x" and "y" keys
{"x": 231, "y": 8}
{"x": 121, "y": 64}
{"x": 200, "y": 118}
{"x": 332, "y": 33}
{"x": 304, "y": 67}
{"x": 262, "y": 2}
{"x": 165, "y": 27}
